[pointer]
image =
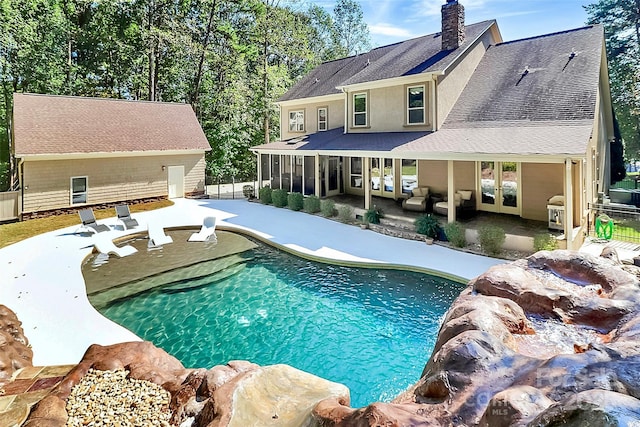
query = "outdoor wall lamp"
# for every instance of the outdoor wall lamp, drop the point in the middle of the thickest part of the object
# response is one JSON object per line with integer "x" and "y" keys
{"x": 164, "y": 168}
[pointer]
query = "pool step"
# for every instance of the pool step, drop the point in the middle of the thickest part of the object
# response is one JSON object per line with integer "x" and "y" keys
{"x": 192, "y": 284}
{"x": 200, "y": 271}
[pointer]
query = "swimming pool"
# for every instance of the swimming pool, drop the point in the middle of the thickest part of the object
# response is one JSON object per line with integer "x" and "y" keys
{"x": 370, "y": 329}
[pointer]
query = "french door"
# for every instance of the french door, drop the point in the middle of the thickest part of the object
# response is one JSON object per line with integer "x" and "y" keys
{"x": 500, "y": 187}
{"x": 331, "y": 175}
{"x": 382, "y": 176}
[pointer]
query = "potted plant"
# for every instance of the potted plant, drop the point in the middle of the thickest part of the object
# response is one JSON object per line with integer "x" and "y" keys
{"x": 429, "y": 226}
{"x": 373, "y": 215}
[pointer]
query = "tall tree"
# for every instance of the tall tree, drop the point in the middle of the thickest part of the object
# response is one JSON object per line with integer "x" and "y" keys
{"x": 351, "y": 31}
{"x": 621, "y": 21}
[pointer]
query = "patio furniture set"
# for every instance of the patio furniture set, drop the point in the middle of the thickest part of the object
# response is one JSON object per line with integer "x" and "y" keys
{"x": 422, "y": 200}
{"x": 156, "y": 234}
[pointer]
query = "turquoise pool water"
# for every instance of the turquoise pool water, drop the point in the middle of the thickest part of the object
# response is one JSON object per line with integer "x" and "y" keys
{"x": 372, "y": 330}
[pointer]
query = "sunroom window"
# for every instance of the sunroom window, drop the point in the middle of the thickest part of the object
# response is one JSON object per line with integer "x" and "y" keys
{"x": 415, "y": 105}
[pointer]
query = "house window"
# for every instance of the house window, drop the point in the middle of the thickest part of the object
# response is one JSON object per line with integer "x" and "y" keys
{"x": 322, "y": 119}
{"x": 79, "y": 186}
{"x": 296, "y": 121}
{"x": 360, "y": 109}
{"x": 415, "y": 105}
{"x": 356, "y": 172}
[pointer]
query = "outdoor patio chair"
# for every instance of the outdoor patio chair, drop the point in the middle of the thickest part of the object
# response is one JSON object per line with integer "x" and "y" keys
{"x": 89, "y": 223}
{"x": 207, "y": 232}
{"x": 464, "y": 202}
{"x": 105, "y": 245}
{"x": 418, "y": 200}
{"x": 124, "y": 216}
{"x": 157, "y": 236}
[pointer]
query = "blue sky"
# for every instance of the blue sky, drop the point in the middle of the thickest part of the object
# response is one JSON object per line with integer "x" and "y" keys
{"x": 391, "y": 21}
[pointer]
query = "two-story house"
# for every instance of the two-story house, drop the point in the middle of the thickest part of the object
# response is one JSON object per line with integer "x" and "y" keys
{"x": 515, "y": 123}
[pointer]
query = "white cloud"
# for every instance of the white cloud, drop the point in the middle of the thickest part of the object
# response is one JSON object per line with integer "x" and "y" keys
{"x": 385, "y": 29}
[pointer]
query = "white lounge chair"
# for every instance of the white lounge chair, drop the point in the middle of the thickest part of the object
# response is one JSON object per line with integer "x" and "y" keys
{"x": 157, "y": 237}
{"x": 106, "y": 246}
{"x": 207, "y": 232}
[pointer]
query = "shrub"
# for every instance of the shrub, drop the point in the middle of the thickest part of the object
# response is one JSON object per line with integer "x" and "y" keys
{"x": 427, "y": 225}
{"x": 455, "y": 233}
{"x": 328, "y": 208}
{"x": 373, "y": 215}
{"x": 265, "y": 195}
{"x": 311, "y": 204}
{"x": 345, "y": 213}
{"x": 295, "y": 201}
{"x": 544, "y": 242}
{"x": 491, "y": 238}
{"x": 248, "y": 191}
{"x": 279, "y": 198}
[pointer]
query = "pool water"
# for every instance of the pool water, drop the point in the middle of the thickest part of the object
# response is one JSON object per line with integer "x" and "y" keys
{"x": 370, "y": 329}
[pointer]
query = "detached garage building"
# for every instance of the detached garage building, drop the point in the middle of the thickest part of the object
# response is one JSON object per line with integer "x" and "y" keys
{"x": 74, "y": 151}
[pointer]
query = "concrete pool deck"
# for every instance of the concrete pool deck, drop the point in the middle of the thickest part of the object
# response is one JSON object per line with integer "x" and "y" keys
{"x": 41, "y": 279}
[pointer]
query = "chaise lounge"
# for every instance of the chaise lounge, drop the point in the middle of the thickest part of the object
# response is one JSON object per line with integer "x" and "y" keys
{"x": 207, "y": 231}
{"x": 89, "y": 223}
{"x": 124, "y": 216}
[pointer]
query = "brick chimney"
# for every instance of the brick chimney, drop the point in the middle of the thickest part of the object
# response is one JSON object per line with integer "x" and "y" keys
{"x": 452, "y": 25}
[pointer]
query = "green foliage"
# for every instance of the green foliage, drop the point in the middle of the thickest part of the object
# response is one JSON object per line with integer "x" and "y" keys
{"x": 345, "y": 213}
{"x": 248, "y": 191}
{"x": 4, "y": 176}
{"x": 265, "y": 195}
{"x": 311, "y": 204}
{"x": 351, "y": 31}
{"x": 279, "y": 197}
{"x": 544, "y": 242}
{"x": 428, "y": 225}
{"x": 621, "y": 21}
{"x": 373, "y": 215}
{"x": 229, "y": 59}
{"x": 491, "y": 238}
{"x": 295, "y": 201}
{"x": 455, "y": 233}
{"x": 328, "y": 208}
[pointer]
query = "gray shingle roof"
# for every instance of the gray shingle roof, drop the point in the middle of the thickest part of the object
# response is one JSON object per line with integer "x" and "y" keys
{"x": 46, "y": 124}
{"x": 534, "y": 79}
{"x": 336, "y": 140}
{"x": 422, "y": 54}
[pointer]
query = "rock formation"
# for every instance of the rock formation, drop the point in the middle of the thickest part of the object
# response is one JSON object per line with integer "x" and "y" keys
{"x": 548, "y": 340}
{"x": 15, "y": 352}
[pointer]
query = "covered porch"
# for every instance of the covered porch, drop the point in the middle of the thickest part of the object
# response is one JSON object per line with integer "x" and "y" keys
{"x": 520, "y": 231}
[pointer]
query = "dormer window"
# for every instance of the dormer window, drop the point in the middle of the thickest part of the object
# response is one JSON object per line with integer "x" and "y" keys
{"x": 360, "y": 109}
{"x": 322, "y": 119}
{"x": 296, "y": 121}
{"x": 415, "y": 105}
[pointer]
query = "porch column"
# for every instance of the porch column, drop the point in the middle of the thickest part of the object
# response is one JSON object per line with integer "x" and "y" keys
{"x": 259, "y": 172}
{"x": 451, "y": 191}
{"x": 366, "y": 182}
{"x": 317, "y": 189}
{"x": 568, "y": 204}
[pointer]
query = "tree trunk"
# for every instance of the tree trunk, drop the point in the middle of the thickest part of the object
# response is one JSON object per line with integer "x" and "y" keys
{"x": 151, "y": 53}
{"x": 265, "y": 88}
{"x": 197, "y": 80}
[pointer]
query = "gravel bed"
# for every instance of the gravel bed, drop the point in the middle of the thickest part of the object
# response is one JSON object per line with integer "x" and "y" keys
{"x": 109, "y": 398}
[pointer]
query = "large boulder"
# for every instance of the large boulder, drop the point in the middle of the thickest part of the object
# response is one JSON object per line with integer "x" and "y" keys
{"x": 15, "y": 352}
